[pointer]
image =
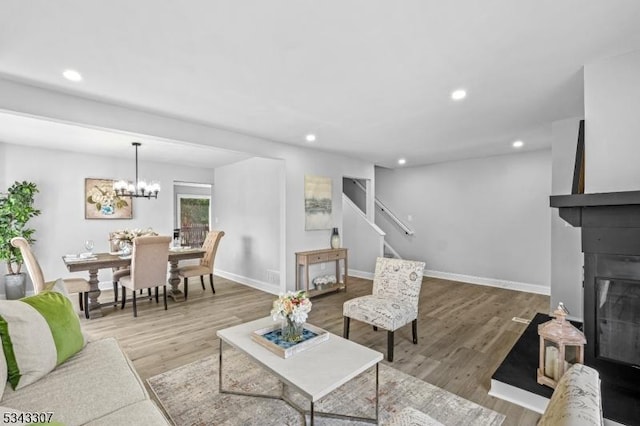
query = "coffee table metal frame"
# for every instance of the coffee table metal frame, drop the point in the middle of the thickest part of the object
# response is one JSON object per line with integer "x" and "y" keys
{"x": 303, "y": 412}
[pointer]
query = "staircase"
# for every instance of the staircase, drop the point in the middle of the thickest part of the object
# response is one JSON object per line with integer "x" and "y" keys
{"x": 386, "y": 250}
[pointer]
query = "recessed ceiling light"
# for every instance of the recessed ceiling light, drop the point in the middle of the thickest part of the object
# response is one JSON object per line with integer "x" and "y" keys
{"x": 310, "y": 137}
{"x": 459, "y": 94}
{"x": 72, "y": 75}
{"x": 518, "y": 144}
{"x": 402, "y": 161}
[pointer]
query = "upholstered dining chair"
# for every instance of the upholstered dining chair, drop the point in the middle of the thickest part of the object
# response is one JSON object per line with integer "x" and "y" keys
{"x": 205, "y": 267}
{"x": 394, "y": 302}
{"x": 117, "y": 272}
{"x": 149, "y": 259}
{"x": 72, "y": 285}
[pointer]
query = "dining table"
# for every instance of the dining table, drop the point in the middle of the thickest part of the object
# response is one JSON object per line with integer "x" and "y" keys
{"x": 99, "y": 261}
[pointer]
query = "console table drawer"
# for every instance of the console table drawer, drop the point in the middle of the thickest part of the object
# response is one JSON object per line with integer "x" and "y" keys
{"x": 317, "y": 258}
{"x": 337, "y": 255}
{"x": 306, "y": 258}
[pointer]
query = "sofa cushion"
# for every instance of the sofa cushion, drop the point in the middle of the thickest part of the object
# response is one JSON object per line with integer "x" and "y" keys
{"x": 38, "y": 333}
{"x": 144, "y": 413}
{"x": 95, "y": 382}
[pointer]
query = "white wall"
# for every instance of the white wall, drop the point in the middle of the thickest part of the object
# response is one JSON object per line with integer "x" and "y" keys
{"x": 612, "y": 102}
{"x": 364, "y": 240}
{"x": 24, "y": 99}
{"x": 484, "y": 220}
{"x": 3, "y": 185}
{"x": 566, "y": 251}
{"x": 248, "y": 206}
{"x": 62, "y": 228}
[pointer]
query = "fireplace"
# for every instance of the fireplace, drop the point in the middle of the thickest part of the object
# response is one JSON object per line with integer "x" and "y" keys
{"x": 612, "y": 310}
{"x": 610, "y": 228}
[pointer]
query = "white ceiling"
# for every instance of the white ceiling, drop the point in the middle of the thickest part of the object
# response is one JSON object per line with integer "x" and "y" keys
{"x": 30, "y": 131}
{"x": 371, "y": 78}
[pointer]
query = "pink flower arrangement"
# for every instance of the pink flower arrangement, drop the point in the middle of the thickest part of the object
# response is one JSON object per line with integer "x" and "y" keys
{"x": 294, "y": 306}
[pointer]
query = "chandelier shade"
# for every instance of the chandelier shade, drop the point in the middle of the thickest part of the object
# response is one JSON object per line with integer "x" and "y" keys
{"x": 138, "y": 188}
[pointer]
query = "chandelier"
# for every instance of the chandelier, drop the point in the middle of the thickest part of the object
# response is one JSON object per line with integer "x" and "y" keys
{"x": 139, "y": 188}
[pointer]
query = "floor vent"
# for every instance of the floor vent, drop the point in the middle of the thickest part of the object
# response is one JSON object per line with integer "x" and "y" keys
{"x": 520, "y": 320}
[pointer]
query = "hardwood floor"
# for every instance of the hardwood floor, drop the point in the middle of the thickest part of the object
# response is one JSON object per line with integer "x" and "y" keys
{"x": 464, "y": 332}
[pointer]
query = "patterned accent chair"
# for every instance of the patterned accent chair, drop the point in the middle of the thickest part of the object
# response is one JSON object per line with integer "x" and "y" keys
{"x": 394, "y": 302}
{"x": 72, "y": 285}
{"x": 205, "y": 267}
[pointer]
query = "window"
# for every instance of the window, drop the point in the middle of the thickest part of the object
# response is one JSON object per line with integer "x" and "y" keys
{"x": 194, "y": 218}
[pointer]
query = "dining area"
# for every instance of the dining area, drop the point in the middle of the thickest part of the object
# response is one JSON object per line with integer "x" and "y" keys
{"x": 141, "y": 261}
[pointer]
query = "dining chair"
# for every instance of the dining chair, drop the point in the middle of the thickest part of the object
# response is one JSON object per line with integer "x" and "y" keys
{"x": 149, "y": 259}
{"x": 205, "y": 267}
{"x": 71, "y": 285}
{"x": 118, "y": 271}
{"x": 394, "y": 302}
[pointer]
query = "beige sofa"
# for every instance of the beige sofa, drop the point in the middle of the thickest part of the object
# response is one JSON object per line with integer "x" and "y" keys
{"x": 576, "y": 401}
{"x": 97, "y": 386}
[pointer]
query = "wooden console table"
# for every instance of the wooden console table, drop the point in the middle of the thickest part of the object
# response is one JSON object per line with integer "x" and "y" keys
{"x": 306, "y": 258}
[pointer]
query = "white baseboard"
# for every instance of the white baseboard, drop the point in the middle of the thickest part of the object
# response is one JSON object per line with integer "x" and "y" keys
{"x": 360, "y": 274}
{"x": 490, "y": 282}
{"x": 105, "y": 285}
{"x": 259, "y": 285}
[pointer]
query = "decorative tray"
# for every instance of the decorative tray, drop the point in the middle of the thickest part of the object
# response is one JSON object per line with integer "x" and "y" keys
{"x": 271, "y": 338}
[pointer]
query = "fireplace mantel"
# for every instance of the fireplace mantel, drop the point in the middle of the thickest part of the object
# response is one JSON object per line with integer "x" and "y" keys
{"x": 597, "y": 199}
{"x": 600, "y": 207}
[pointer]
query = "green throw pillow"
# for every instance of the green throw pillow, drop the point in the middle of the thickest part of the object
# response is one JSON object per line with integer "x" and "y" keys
{"x": 38, "y": 333}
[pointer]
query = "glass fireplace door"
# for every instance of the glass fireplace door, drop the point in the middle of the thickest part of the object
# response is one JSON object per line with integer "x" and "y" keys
{"x": 618, "y": 320}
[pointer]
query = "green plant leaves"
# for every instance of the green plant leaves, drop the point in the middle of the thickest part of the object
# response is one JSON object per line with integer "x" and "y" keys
{"x": 16, "y": 209}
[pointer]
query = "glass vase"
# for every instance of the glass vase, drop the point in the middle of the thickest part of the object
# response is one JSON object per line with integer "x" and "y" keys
{"x": 125, "y": 248}
{"x": 335, "y": 239}
{"x": 291, "y": 330}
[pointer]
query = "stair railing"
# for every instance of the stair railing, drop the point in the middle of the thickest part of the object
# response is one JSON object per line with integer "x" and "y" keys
{"x": 383, "y": 208}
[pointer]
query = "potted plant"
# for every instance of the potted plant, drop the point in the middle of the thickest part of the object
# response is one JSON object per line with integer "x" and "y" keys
{"x": 16, "y": 208}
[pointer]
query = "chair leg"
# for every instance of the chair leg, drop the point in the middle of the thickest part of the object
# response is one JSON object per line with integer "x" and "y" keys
{"x": 156, "y": 294}
{"x": 86, "y": 304}
{"x": 390, "y": 346}
{"x": 164, "y": 296}
{"x": 115, "y": 292}
{"x": 124, "y": 296}
{"x": 149, "y": 293}
{"x": 375, "y": 328}
{"x": 135, "y": 308}
{"x": 345, "y": 330}
{"x": 186, "y": 288}
{"x": 211, "y": 282}
{"x": 202, "y": 281}
{"x": 414, "y": 330}
{"x": 80, "y": 301}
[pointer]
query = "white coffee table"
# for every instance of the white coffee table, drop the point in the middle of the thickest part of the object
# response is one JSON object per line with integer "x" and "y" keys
{"x": 314, "y": 373}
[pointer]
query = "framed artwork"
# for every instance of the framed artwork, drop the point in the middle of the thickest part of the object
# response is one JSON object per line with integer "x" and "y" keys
{"x": 101, "y": 201}
{"x": 317, "y": 203}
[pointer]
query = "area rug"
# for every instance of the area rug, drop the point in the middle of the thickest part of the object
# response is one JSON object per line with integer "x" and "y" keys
{"x": 189, "y": 395}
